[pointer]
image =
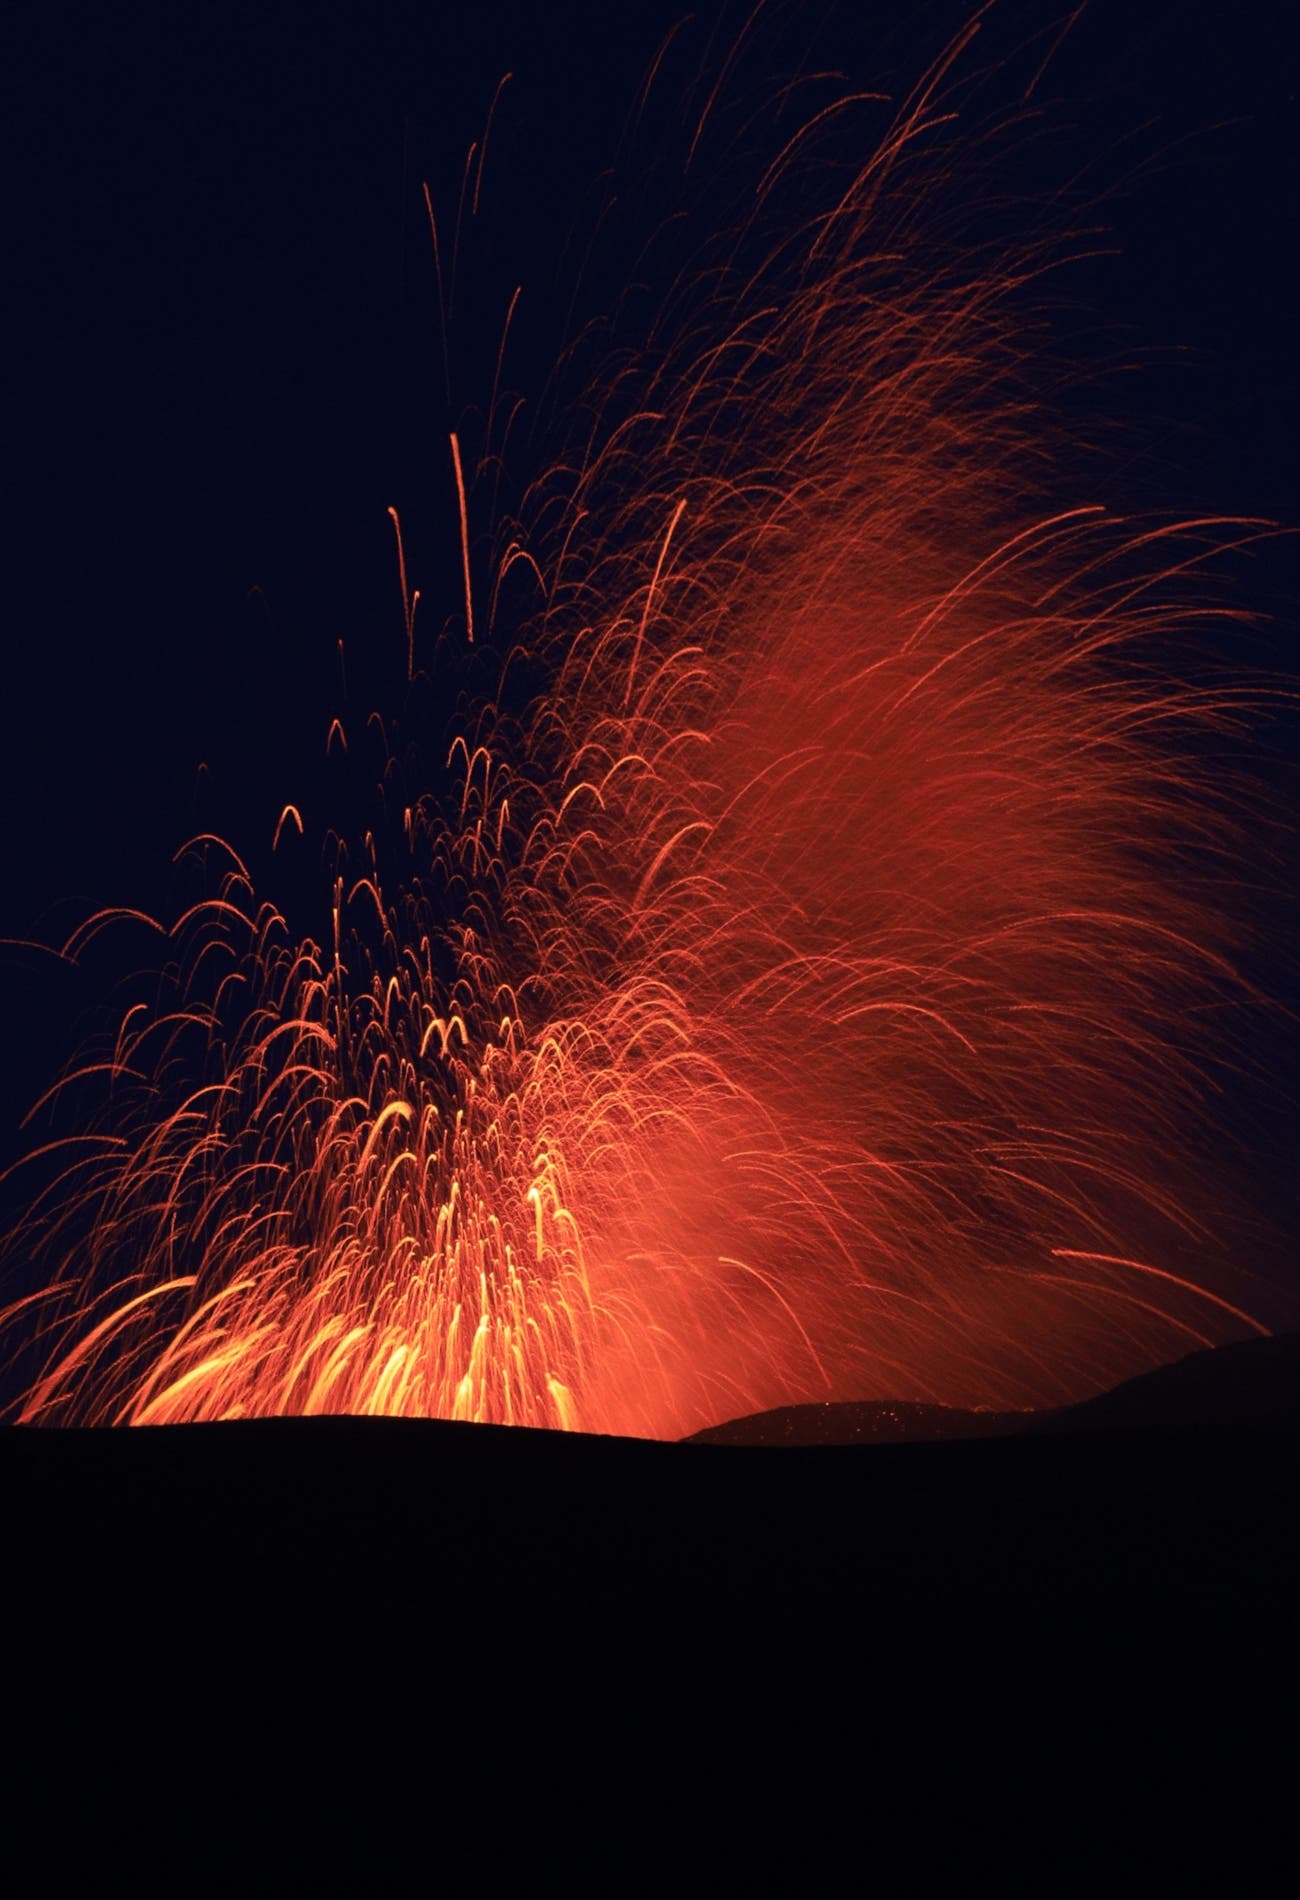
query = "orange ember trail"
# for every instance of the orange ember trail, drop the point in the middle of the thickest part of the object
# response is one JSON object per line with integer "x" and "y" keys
{"x": 799, "y": 993}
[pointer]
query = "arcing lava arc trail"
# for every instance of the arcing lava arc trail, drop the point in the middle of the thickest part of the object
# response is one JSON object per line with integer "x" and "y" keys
{"x": 801, "y": 968}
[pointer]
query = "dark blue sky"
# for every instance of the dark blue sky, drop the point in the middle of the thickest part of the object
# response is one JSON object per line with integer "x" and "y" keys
{"x": 223, "y": 360}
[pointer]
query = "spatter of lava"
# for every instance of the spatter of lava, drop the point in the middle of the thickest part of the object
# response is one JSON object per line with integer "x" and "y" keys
{"x": 798, "y": 995}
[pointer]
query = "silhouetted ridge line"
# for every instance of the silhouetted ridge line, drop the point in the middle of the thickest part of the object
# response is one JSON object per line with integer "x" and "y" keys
{"x": 1251, "y": 1386}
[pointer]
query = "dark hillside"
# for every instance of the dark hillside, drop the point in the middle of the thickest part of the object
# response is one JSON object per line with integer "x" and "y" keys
{"x": 364, "y": 1656}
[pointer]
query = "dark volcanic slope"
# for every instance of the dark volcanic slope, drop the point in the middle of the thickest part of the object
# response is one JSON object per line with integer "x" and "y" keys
{"x": 366, "y": 1656}
{"x": 1253, "y": 1386}
{"x": 861, "y": 1422}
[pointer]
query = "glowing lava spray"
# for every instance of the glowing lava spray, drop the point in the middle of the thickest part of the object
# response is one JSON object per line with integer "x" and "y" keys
{"x": 799, "y": 991}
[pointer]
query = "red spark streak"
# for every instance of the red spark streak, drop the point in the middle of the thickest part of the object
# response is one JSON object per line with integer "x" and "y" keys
{"x": 825, "y": 960}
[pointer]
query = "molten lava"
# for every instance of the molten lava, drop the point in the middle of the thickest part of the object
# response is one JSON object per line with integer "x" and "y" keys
{"x": 800, "y": 993}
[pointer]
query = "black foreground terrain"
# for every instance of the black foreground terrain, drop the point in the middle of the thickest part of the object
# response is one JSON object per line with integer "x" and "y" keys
{"x": 367, "y": 1656}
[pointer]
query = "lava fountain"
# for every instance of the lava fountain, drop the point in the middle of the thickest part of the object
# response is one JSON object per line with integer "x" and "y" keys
{"x": 800, "y": 988}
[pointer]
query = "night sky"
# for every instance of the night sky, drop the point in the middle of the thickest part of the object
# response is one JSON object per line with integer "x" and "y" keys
{"x": 223, "y": 365}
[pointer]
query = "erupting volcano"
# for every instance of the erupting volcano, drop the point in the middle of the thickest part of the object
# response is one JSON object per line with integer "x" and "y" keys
{"x": 796, "y": 939}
